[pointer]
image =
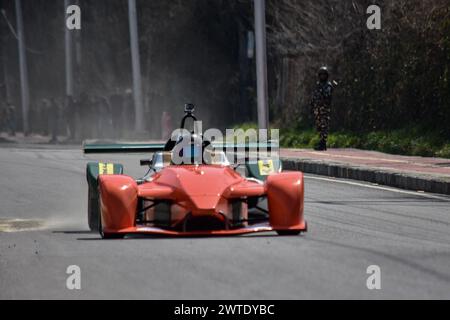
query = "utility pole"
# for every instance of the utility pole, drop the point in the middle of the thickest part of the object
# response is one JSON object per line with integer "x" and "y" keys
{"x": 136, "y": 66}
{"x": 77, "y": 57}
{"x": 5, "y": 74}
{"x": 4, "y": 62}
{"x": 261, "y": 64}
{"x": 25, "y": 95}
{"x": 68, "y": 53}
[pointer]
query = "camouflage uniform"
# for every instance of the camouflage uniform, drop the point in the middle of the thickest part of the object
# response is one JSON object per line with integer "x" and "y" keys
{"x": 321, "y": 108}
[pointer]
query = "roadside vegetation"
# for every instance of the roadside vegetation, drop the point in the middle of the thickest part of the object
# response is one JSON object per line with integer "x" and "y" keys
{"x": 393, "y": 92}
{"x": 410, "y": 141}
{"x": 404, "y": 141}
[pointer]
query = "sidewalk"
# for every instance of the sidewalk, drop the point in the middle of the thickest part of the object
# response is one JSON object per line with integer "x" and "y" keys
{"x": 412, "y": 173}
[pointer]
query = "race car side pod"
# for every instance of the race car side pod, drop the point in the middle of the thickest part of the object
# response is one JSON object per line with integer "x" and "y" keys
{"x": 285, "y": 197}
{"x": 118, "y": 202}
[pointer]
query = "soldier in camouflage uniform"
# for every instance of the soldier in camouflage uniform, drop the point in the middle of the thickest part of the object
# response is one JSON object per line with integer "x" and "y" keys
{"x": 321, "y": 107}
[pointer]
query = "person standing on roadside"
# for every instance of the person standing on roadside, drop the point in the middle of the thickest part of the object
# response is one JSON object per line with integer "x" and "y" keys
{"x": 321, "y": 107}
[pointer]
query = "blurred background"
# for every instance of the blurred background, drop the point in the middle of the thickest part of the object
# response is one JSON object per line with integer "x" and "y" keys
{"x": 393, "y": 91}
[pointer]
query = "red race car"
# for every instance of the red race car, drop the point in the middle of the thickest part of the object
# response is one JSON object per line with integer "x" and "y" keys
{"x": 203, "y": 198}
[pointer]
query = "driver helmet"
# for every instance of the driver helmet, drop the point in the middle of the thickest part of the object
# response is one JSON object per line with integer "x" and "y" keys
{"x": 189, "y": 149}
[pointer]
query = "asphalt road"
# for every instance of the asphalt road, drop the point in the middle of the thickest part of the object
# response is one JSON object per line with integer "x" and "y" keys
{"x": 352, "y": 226}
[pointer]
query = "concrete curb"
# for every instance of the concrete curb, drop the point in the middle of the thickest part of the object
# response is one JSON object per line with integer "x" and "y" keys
{"x": 409, "y": 181}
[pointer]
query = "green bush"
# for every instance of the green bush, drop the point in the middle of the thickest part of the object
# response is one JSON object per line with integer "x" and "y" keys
{"x": 414, "y": 141}
{"x": 444, "y": 152}
{"x": 405, "y": 141}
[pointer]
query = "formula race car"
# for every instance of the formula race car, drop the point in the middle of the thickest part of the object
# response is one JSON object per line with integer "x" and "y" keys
{"x": 201, "y": 195}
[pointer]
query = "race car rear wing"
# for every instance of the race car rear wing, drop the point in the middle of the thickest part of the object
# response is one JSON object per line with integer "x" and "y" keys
{"x": 90, "y": 148}
{"x": 122, "y": 147}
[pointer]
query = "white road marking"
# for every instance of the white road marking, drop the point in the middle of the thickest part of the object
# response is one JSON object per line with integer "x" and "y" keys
{"x": 374, "y": 186}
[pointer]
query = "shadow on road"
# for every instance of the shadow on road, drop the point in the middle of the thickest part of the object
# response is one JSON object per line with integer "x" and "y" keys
{"x": 155, "y": 236}
{"x": 73, "y": 232}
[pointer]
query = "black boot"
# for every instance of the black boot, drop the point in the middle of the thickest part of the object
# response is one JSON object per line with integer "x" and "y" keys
{"x": 322, "y": 146}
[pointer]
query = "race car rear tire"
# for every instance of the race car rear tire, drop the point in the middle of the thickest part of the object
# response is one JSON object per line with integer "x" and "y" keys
{"x": 93, "y": 170}
{"x": 93, "y": 210}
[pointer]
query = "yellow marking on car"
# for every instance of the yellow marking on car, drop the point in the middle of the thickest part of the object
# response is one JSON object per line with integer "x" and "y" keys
{"x": 105, "y": 168}
{"x": 265, "y": 167}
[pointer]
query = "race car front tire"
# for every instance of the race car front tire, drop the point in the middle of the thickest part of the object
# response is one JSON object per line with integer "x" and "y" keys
{"x": 112, "y": 235}
{"x": 93, "y": 210}
{"x": 292, "y": 232}
{"x": 107, "y": 235}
